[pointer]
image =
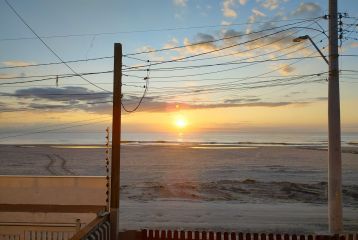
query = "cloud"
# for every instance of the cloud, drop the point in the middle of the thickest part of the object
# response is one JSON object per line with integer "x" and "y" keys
{"x": 285, "y": 69}
{"x": 153, "y": 55}
{"x": 37, "y": 100}
{"x": 354, "y": 45}
{"x": 275, "y": 42}
{"x": 226, "y": 23}
{"x": 240, "y": 100}
{"x": 62, "y": 99}
{"x": 270, "y": 4}
{"x": 205, "y": 41}
{"x": 255, "y": 15}
{"x": 258, "y": 13}
{"x": 154, "y": 104}
{"x": 6, "y": 75}
{"x": 16, "y": 63}
{"x": 293, "y": 93}
{"x": 69, "y": 95}
{"x": 243, "y": 2}
{"x": 180, "y": 3}
{"x": 230, "y": 36}
{"x": 307, "y": 9}
{"x": 228, "y": 10}
{"x": 320, "y": 99}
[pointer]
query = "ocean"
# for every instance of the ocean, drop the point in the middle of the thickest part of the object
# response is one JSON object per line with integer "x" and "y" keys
{"x": 266, "y": 138}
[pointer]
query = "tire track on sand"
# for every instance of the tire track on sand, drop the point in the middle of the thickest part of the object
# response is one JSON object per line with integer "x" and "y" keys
{"x": 50, "y": 164}
{"x": 63, "y": 165}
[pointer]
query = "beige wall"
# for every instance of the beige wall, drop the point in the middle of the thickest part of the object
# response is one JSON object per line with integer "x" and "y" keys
{"x": 57, "y": 190}
{"x": 60, "y": 190}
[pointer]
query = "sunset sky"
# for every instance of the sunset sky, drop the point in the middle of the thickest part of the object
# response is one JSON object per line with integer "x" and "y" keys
{"x": 247, "y": 75}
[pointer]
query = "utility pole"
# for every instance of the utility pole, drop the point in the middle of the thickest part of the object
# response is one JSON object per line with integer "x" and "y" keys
{"x": 116, "y": 141}
{"x": 334, "y": 128}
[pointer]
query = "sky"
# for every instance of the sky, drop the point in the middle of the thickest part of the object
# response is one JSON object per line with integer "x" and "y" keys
{"x": 223, "y": 65}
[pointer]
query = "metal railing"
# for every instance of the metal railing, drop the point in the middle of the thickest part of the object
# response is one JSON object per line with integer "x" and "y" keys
{"x": 98, "y": 229}
{"x": 38, "y": 231}
{"x": 204, "y": 235}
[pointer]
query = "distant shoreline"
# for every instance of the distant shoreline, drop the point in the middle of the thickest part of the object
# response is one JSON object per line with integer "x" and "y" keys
{"x": 352, "y": 148}
{"x": 164, "y": 142}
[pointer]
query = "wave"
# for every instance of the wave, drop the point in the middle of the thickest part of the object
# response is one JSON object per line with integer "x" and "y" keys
{"x": 248, "y": 190}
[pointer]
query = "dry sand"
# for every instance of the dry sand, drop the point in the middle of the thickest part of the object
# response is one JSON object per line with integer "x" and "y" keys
{"x": 264, "y": 188}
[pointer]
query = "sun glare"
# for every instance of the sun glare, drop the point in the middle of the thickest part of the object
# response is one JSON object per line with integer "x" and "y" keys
{"x": 180, "y": 123}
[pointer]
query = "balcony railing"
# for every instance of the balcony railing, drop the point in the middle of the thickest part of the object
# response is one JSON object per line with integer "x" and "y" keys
{"x": 38, "y": 231}
{"x": 98, "y": 229}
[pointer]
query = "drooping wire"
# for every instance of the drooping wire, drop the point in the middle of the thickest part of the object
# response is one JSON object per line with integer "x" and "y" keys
{"x": 144, "y": 93}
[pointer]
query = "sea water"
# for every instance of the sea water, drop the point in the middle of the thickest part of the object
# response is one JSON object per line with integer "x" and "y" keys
{"x": 267, "y": 138}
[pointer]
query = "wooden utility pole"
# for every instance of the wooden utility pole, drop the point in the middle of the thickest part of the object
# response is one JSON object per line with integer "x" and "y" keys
{"x": 334, "y": 128}
{"x": 116, "y": 141}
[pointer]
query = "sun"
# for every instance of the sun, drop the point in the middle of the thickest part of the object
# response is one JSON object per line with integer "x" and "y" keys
{"x": 180, "y": 123}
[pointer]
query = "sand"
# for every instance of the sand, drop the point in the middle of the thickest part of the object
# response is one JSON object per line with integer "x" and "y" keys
{"x": 217, "y": 187}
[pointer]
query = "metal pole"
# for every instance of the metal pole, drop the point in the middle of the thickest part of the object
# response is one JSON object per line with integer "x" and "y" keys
{"x": 334, "y": 128}
{"x": 116, "y": 141}
{"x": 319, "y": 51}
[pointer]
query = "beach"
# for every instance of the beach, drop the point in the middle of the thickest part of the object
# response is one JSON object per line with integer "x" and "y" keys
{"x": 240, "y": 187}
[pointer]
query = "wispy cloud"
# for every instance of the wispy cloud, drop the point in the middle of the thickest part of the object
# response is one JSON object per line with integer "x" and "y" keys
{"x": 205, "y": 42}
{"x": 285, "y": 69}
{"x": 354, "y": 45}
{"x": 61, "y": 99}
{"x": 153, "y": 104}
{"x": 180, "y": 3}
{"x": 40, "y": 99}
{"x": 243, "y": 2}
{"x": 6, "y": 75}
{"x": 228, "y": 10}
{"x": 258, "y": 13}
{"x": 16, "y": 63}
{"x": 65, "y": 94}
{"x": 270, "y": 4}
{"x": 308, "y": 9}
{"x": 205, "y": 45}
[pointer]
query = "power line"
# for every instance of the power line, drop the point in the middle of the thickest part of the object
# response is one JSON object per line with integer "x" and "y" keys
{"x": 149, "y": 30}
{"x": 207, "y": 52}
{"x": 58, "y": 128}
{"x": 157, "y": 81}
{"x": 180, "y": 60}
{"x": 51, "y": 77}
{"x": 219, "y": 71}
{"x": 56, "y": 63}
{"x": 216, "y": 40}
{"x": 288, "y": 85}
{"x": 231, "y": 87}
{"x": 54, "y": 94}
{"x": 239, "y": 52}
{"x": 48, "y": 47}
{"x": 62, "y": 75}
{"x": 263, "y": 74}
{"x": 232, "y": 63}
{"x": 141, "y": 99}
